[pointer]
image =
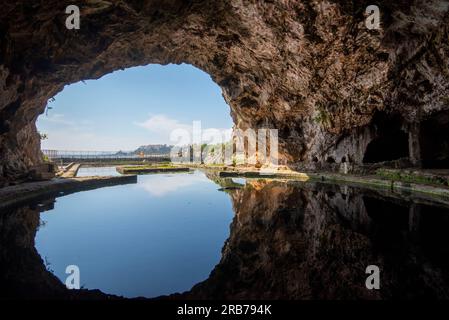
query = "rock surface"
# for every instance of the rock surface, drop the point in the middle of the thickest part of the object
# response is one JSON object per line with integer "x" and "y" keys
{"x": 310, "y": 69}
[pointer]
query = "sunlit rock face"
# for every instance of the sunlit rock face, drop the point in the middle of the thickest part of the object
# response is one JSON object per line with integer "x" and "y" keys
{"x": 310, "y": 69}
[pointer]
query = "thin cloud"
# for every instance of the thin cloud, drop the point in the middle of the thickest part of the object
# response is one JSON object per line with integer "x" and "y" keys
{"x": 164, "y": 126}
{"x": 58, "y": 119}
{"x": 161, "y": 123}
{"x": 159, "y": 186}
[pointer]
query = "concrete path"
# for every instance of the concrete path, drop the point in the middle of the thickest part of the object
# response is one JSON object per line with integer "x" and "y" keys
{"x": 22, "y": 193}
{"x": 71, "y": 170}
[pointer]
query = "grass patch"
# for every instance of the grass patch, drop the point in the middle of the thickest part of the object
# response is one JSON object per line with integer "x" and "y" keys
{"x": 153, "y": 168}
{"x": 411, "y": 177}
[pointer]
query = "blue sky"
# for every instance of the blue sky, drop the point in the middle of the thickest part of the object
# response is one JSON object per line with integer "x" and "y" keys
{"x": 133, "y": 107}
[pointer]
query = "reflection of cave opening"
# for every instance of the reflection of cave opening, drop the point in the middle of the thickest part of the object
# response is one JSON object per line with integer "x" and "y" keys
{"x": 391, "y": 143}
{"x": 434, "y": 140}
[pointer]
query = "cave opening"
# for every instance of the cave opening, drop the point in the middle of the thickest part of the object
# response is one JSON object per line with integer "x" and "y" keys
{"x": 387, "y": 148}
{"x": 330, "y": 160}
{"x": 391, "y": 142}
{"x": 434, "y": 141}
{"x": 133, "y": 111}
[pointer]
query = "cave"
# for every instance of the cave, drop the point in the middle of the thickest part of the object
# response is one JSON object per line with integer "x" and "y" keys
{"x": 434, "y": 141}
{"x": 330, "y": 160}
{"x": 391, "y": 142}
{"x": 278, "y": 64}
{"x": 387, "y": 148}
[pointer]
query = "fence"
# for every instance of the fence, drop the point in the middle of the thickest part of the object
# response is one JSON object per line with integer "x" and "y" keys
{"x": 101, "y": 156}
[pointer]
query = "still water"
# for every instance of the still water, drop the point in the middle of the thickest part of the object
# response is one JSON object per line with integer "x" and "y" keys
{"x": 159, "y": 236}
{"x": 218, "y": 238}
{"x": 97, "y": 171}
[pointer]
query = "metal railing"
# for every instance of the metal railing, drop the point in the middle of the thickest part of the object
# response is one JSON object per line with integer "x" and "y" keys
{"x": 82, "y": 156}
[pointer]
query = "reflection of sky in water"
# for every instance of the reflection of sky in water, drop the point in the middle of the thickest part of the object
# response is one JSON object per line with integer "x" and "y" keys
{"x": 97, "y": 171}
{"x": 161, "y": 184}
{"x": 241, "y": 181}
{"x": 159, "y": 236}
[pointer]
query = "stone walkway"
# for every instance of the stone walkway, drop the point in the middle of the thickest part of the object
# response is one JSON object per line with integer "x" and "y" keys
{"x": 22, "y": 193}
{"x": 71, "y": 170}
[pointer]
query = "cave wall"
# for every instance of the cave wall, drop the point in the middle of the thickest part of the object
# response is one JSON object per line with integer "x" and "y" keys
{"x": 310, "y": 69}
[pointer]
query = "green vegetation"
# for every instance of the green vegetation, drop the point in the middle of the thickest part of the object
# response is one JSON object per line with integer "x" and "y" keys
{"x": 148, "y": 167}
{"x": 323, "y": 117}
{"x": 152, "y": 168}
{"x": 43, "y": 136}
{"x": 411, "y": 177}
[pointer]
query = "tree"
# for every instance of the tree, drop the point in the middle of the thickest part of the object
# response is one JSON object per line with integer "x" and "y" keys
{"x": 43, "y": 136}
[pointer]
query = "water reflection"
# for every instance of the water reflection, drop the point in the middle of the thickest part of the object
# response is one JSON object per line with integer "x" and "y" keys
{"x": 163, "y": 184}
{"x": 312, "y": 241}
{"x": 290, "y": 241}
{"x": 131, "y": 242}
{"x": 88, "y": 171}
